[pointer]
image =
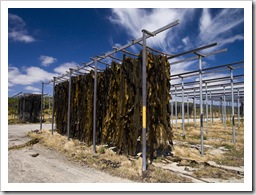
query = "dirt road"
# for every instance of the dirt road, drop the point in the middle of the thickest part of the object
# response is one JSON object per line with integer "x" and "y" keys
{"x": 37, "y": 164}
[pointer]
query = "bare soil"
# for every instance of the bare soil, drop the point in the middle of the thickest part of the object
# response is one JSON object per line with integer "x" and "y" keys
{"x": 38, "y": 164}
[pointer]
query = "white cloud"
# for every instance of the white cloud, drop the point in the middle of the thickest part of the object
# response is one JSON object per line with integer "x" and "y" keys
{"x": 205, "y": 20}
{"x": 34, "y": 89}
{"x": 220, "y": 27}
{"x": 186, "y": 40}
{"x": 232, "y": 39}
{"x": 17, "y": 29}
{"x": 65, "y": 67}
{"x": 32, "y": 75}
{"x": 47, "y": 60}
{"x": 10, "y": 84}
{"x": 134, "y": 20}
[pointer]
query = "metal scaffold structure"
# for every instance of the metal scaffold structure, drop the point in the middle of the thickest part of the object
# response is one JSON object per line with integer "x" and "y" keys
{"x": 219, "y": 89}
{"x": 201, "y": 88}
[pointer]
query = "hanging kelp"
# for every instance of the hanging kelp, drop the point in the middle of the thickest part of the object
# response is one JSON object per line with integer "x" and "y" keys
{"x": 29, "y": 108}
{"x": 119, "y": 105}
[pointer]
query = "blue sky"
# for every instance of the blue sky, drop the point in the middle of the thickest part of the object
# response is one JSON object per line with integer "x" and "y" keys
{"x": 43, "y": 43}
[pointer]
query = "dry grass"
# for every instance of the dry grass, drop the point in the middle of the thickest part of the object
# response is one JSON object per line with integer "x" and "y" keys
{"x": 108, "y": 161}
{"x": 212, "y": 172}
{"x": 217, "y": 137}
{"x": 188, "y": 148}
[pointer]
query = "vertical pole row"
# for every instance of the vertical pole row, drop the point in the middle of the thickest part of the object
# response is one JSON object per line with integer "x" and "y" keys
{"x": 176, "y": 109}
{"x": 232, "y": 104}
{"x": 194, "y": 109}
{"x": 206, "y": 109}
{"x": 201, "y": 106}
{"x": 94, "y": 105}
{"x": 53, "y": 93}
{"x": 238, "y": 108}
{"x": 41, "y": 112}
{"x": 69, "y": 98}
{"x": 183, "y": 123}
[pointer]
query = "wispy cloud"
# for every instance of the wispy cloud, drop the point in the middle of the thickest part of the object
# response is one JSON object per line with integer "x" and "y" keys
{"x": 47, "y": 60}
{"x": 17, "y": 29}
{"x": 33, "y": 89}
{"x": 220, "y": 28}
{"x": 31, "y": 75}
{"x": 65, "y": 67}
{"x": 134, "y": 20}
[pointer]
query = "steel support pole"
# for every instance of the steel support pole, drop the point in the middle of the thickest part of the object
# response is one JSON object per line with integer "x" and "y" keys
{"x": 232, "y": 104}
{"x": 211, "y": 113}
{"x": 238, "y": 108}
{"x": 206, "y": 109}
{"x": 194, "y": 109}
{"x": 69, "y": 99}
{"x": 49, "y": 105}
{"x": 201, "y": 106}
{"x": 176, "y": 115}
{"x": 224, "y": 107}
{"x": 188, "y": 108}
{"x": 183, "y": 122}
{"x": 23, "y": 109}
{"x": 94, "y": 104}
{"x": 172, "y": 111}
{"x": 53, "y": 93}
{"x": 144, "y": 99}
{"x": 219, "y": 115}
{"x": 41, "y": 112}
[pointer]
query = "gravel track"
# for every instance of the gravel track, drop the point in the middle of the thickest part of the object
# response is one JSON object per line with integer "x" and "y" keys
{"x": 49, "y": 166}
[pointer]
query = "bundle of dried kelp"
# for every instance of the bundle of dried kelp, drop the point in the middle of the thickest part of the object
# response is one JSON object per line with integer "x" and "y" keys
{"x": 29, "y": 108}
{"x": 119, "y": 105}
